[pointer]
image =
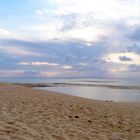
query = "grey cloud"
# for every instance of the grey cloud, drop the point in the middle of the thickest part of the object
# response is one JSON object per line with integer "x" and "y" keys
{"x": 134, "y": 68}
{"x": 125, "y": 58}
{"x": 74, "y": 20}
{"x": 73, "y": 52}
{"x": 134, "y": 48}
{"x": 63, "y": 53}
{"x": 69, "y": 21}
{"x": 135, "y": 33}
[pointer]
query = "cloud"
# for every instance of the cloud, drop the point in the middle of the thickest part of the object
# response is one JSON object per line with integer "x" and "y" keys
{"x": 84, "y": 58}
{"x": 103, "y": 10}
{"x": 67, "y": 67}
{"x": 17, "y": 51}
{"x": 19, "y": 48}
{"x": 125, "y": 58}
{"x": 73, "y": 37}
{"x": 11, "y": 73}
{"x": 135, "y": 33}
{"x": 73, "y": 20}
{"x": 49, "y": 74}
{"x": 118, "y": 70}
{"x": 134, "y": 68}
{"x": 4, "y": 32}
{"x": 9, "y": 34}
{"x": 40, "y": 13}
{"x": 39, "y": 63}
{"x": 31, "y": 73}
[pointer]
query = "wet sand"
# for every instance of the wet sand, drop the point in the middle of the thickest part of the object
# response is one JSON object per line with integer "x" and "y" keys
{"x": 29, "y": 114}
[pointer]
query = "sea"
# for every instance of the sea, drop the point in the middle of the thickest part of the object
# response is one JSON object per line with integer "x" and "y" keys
{"x": 99, "y": 92}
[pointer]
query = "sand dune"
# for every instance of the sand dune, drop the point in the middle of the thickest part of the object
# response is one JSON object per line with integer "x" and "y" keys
{"x": 28, "y": 114}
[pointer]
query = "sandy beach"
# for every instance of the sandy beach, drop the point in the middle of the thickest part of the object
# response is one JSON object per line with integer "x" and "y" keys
{"x": 30, "y": 114}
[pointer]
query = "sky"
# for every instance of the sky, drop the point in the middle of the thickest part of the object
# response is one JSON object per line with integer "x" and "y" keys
{"x": 70, "y": 38}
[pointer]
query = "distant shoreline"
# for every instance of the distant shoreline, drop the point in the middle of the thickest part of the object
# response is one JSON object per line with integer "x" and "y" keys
{"x": 77, "y": 84}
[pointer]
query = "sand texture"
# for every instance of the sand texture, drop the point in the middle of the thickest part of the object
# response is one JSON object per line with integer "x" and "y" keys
{"x": 28, "y": 114}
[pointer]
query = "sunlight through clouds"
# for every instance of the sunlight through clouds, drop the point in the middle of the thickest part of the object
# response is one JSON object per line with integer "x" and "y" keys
{"x": 70, "y": 37}
{"x": 123, "y": 58}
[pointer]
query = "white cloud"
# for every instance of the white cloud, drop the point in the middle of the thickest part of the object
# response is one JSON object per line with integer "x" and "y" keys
{"x": 118, "y": 70}
{"x": 39, "y": 63}
{"x": 92, "y": 18}
{"x": 8, "y": 34}
{"x": 115, "y": 58}
{"x": 44, "y": 32}
{"x": 53, "y": 30}
{"x": 49, "y": 74}
{"x": 82, "y": 6}
{"x": 88, "y": 34}
{"x": 83, "y": 64}
{"x": 103, "y": 26}
{"x": 67, "y": 67}
{"x": 4, "y": 33}
{"x": 40, "y": 12}
{"x": 91, "y": 23}
{"x": 104, "y": 9}
{"x": 17, "y": 51}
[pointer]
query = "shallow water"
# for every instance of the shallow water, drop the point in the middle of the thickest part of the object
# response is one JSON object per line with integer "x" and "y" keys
{"x": 99, "y": 93}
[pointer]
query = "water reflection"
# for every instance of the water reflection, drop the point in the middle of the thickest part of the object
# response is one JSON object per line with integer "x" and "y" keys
{"x": 99, "y": 93}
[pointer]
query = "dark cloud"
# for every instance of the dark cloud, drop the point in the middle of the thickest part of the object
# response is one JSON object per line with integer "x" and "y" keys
{"x": 59, "y": 51}
{"x": 64, "y": 53}
{"x": 73, "y": 52}
{"x": 125, "y": 58}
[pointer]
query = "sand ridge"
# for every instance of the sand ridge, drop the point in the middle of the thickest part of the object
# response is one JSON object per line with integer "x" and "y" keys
{"x": 29, "y": 114}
